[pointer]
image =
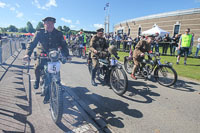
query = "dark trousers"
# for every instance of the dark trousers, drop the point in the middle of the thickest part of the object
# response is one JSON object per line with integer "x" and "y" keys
{"x": 124, "y": 45}
{"x": 165, "y": 47}
{"x": 157, "y": 47}
{"x": 118, "y": 44}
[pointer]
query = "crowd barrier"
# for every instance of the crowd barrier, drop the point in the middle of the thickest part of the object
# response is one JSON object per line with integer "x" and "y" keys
{"x": 9, "y": 46}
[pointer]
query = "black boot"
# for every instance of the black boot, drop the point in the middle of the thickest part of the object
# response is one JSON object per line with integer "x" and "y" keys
{"x": 36, "y": 84}
{"x": 93, "y": 75}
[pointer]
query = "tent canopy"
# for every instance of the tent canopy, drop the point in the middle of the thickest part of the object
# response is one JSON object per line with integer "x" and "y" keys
{"x": 28, "y": 34}
{"x": 155, "y": 30}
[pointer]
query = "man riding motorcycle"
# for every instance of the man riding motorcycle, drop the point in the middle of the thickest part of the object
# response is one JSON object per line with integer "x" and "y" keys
{"x": 97, "y": 44}
{"x": 138, "y": 54}
{"x": 45, "y": 40}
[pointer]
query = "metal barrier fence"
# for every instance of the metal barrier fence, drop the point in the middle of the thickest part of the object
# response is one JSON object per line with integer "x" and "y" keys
{"x": 9, "y": 46}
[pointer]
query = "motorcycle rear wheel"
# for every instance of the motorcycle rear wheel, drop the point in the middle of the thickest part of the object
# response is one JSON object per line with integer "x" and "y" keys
{"x": 118, "y": 81}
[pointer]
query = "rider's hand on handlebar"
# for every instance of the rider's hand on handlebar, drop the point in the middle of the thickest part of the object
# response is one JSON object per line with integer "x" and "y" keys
{"x": 142, "y": 55}
{"x": 95, "y": 51}
{"x": 26, "y": 58}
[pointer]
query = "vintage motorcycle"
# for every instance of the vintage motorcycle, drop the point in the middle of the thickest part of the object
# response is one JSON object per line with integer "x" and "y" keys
{"x": 163, "y": 73}
{"x": 78, "y": 50}
{"x": 52, "y": 89}
{"x": 109, "y": 70}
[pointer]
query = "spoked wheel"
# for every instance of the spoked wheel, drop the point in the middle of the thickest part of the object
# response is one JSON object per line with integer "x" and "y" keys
{"x": 118, "y": 81}
{"x": 73, "y": 51}
{"x": 128, "y": 65}
{"x": 89, "y": 61}
{"x": 166, "y": 75}
{"x": 56, "y": 102}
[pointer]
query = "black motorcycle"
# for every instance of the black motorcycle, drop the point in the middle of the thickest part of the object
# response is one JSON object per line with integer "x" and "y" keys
{"x": 110, "y": 71}
{"x": 78, "y": 50}
{"x": 52, "y": 89}
{"x": 163, "y": 73}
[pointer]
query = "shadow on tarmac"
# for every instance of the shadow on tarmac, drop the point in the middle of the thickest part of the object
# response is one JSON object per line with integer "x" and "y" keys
{"x": 105, "y": 106}
{"x": 186, "y": 86}
{"x": 10, "y": 110}
{"x": 145, "y": 92}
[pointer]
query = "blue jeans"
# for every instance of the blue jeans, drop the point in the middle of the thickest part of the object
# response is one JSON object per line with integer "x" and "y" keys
{"x": 197, "y": 51}
{"x": 157, "y": 47}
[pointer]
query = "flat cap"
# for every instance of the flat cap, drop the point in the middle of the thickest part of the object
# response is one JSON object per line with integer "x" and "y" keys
{"x": 100, "y": 30}
{"x": 49, "y": 19}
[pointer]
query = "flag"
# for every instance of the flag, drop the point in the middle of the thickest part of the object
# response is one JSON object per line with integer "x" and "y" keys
{"x": 107, "y": 4}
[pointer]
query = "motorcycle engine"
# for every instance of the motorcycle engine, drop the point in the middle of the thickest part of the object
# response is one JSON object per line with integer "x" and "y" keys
{"x": 146, "y": 71}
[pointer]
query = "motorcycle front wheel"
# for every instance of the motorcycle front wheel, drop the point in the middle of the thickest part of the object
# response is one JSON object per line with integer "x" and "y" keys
{"x": 166, "y": 75}
{"x": 118, "y": 81}
{"x": 56, "y": 102}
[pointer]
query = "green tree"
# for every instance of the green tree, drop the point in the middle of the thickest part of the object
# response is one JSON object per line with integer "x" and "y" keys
{"x": 60, "y": 28}
{"x": 66, "y": 29}
{"x": 29, "y": 27}
{"x": 23, "y": 30}
{"x": 3, "y": 29}
{"x": 39, "y": 26}
{"x": 12, "y": 28}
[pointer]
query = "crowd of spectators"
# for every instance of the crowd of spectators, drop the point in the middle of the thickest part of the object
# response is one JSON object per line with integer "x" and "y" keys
{"x": 125, "y": 42}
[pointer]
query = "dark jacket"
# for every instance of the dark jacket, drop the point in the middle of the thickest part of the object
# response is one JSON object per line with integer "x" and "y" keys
{"x": 46, "y": 41}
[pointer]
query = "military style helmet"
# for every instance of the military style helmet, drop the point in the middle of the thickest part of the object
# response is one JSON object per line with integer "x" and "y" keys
{"x": 49, "y": 19}
{"x": 112, "y": 50}
{"x": 100, "y": 30}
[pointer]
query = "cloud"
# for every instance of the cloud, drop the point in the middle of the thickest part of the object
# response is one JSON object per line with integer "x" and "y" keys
{"x": 66, "y": 20}
{"x": 197, "y": 1}
{"x": 2, "y": 5}
{"x": 46, "y": 6}
{"x": 98, "y": 26}
{"x": 12, "y": 9}
{"x": 51, "y": 3}
{"x": 77, "y": 22}
{"x": 17, "y": 5}
{"x": 19, "y": 14}
{"x": 72, "y": 26}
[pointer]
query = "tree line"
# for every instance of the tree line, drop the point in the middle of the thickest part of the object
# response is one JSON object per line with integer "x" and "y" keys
{"x": 29, "y": 28}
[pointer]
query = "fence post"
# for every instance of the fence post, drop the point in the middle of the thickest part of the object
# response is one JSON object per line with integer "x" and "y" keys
{"x": 0, "y": 51}
{"x": 10, "y": 47}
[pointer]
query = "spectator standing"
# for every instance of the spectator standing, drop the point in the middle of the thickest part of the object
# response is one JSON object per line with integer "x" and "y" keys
{"x": 198, "y": 48}
{"x": 156, "y": 42}
{"x": 125, "y": 40}
{"x": 129, "y": 43}
{"x": 175, "y": 43}
{"x": 167, "y": 41}
{"x": 136, "y": 40}
{"x": 184, "y": 45}
{"x": 118, "y": 41}
{"x": 190, "y": 50}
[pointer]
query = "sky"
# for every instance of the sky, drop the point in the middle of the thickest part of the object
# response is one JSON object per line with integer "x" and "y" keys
{"x": 85, "y": 14}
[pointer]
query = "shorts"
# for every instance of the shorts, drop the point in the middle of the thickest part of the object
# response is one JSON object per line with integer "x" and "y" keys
{"x": 137, "y": 60}
{"x": 183, "y": 50}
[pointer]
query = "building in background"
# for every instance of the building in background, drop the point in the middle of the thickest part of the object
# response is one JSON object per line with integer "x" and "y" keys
{"x": 174, "y": 22}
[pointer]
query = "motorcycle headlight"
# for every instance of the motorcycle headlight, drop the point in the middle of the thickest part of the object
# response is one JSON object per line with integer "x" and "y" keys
{"x": 53, "y": 55}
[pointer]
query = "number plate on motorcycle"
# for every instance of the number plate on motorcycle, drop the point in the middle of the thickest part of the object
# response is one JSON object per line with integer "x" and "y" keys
{"x": 53, "y": 67}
